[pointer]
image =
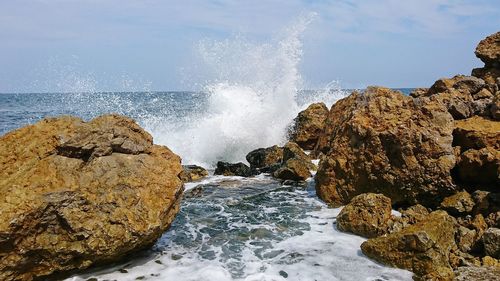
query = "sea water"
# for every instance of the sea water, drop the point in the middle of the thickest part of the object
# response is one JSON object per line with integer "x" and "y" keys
{"x": 239, "y": 228}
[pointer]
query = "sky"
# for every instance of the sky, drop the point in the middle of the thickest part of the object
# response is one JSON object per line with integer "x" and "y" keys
{"x": 132, "y": 45}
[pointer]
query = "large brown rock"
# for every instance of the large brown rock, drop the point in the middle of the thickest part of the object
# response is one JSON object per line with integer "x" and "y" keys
{"x": 74, "y": 194}
{"x": 423, "y": 248}
{"x": 294, "y": 169}
{"x": 488, "y": 50}
{"x": 385, "y": 142}
{"x": 457, "y": 204}
{"x": 308, "y": 125}
{"x": 192, "y": 173}
{"x": 366, "y": 215}
{"x": 476, "y": 133}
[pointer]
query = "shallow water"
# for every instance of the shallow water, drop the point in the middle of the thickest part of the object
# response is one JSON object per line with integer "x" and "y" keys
{"x": 252, "y": 229}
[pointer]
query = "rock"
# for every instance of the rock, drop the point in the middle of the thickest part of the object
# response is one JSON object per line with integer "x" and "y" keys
{"x": 481, "y": 202}
{"x": 293, "y": 169}
{"x": 489, "y": 261}
{"x": 419, "y": 92}
{"x": 75, "y": 194}
{"x": 192, "y": 173}
{"x": 479, "y": 167}
{"x": 194, "y": 192}
{"x": 265, "y": 159}
{"x": 488, "y": 50}
{"x": 466, "y": 238}
{"x": 476, "y": 133}
{"x": 483, "y": 94}
{"x": 385, "y": 142}
{"x": 495, "y": 107}
{"x": 414, "y": 214}
{"x": 493, "y": 219}
{"x": 458, "y": 204}
{"x": 229, "y": 169}
{"x": 292, "y": 150}
{"x": 491, "y": 242}
{"x": 475, "y": 273}
{"x": 423, "y": 248}
{"x": 308, "y": 125}
{"x": 366, "y": 215}
{"x": 489, "y": 75}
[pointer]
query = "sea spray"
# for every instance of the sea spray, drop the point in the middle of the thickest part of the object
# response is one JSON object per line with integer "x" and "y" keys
{"x": 251, "y": 100}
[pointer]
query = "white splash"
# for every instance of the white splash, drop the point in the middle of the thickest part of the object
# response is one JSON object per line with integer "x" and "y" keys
{"x": 251, "y": 101}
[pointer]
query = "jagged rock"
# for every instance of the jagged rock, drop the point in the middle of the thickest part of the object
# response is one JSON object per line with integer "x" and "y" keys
{"x": 265, "y": 159}
{"x": 466, "y": 238}
{"x": 308, "y": 125}
{"x": 489, "y": 75}
{"x": 491, "y": 242}
{"x": 495, "y": 106}
{"x": 366, "y": 215}
{"x": 481, "y": 202}
{"x": 230, "y": 169}
{"x": 419, "y": 92}
{"x": 493, "y": 219}
{"x": 293, "y": 150}
{"x": 192, "y": 173}
{"x": 385, "y": 142}
{"x": 423, "y": 248}
{"x": 489, "y": 261}
{"x": 488, "y": 50}
{"x": 475, "y": 273}
{"x": 74, "y": 194}
{"x": 483, "y": 94}
{"x": 476, "y": 133}
{"x": 414, "y": 214}
{"x": 294, "y": 169}
{"x": 458, "y": 204}
{"x": 479, "y": 167}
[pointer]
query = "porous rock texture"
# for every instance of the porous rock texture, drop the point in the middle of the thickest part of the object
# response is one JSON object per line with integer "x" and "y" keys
{"x": 74, "y": 194}
{"x": 308, "y": 125}
{"x": 382, "y": 141}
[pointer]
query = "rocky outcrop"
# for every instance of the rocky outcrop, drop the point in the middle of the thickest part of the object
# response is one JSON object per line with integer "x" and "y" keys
{"x": 74, "y": 194}
{"x": 308, "y": 125}
{"x": 192, "y": 173}
{"x": 265, "y": 160}
{"x": 476, "y": 133}
{"x": 366, "y": 215}
{"x": 423, "y": 248}
{"x": 382, "y": 141}
{"x": 491, "y": 241}
{"x": 488, "y": 50}
{"x": 479, "y": 167}
{"x": 459, "y": 203}
{"x": 230, "y": 169}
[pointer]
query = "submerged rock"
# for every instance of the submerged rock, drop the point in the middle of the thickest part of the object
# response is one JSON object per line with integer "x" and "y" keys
{"x": 366, "y": 215}
{"x": 74, "y": 194}
{"x": 229, "y": 169}
{"x": 423, "y": 248}
{"x": 265, "y": 160}
{"x": 385, "y": 142}
{"x": 308, "y": 125}
{"x": 192, "y": 173}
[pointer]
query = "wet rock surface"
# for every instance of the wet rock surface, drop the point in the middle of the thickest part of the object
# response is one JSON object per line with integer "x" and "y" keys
{"x": 230, "y": 169}
{"x": 192, "y": 173}
{"x": 74, "y": 194}
{"x": 366, "y": 215}
{"x": 265, "y": 159}
{"x": 423, "y": 248}
{"x": 308, "y": 125}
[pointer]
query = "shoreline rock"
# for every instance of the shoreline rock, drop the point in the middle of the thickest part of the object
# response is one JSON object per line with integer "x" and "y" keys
{"x": 75, "y": 194}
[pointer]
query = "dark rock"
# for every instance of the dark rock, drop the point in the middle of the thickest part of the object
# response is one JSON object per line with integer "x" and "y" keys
{"x": 491, "y": 242}
{"x": 308, "y": 125}
{"x": 229, "y": 169}
{"x": 367, "y": 215}
{"x": 265, "y": 159}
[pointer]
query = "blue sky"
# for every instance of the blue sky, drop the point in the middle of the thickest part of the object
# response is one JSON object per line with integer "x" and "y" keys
{"x": 61, "y": 45}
